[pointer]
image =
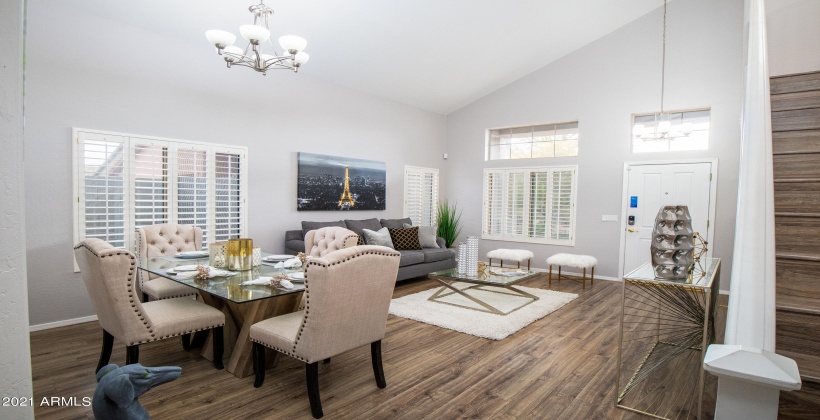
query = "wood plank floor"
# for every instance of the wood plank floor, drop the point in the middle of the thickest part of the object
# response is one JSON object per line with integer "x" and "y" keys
{"x": 559, "y": 367}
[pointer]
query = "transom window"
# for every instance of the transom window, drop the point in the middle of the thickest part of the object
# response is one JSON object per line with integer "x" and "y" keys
{"x": 537, "y": 141}
{"x": 675, "y": 131}
{"x": 530, "y": 204}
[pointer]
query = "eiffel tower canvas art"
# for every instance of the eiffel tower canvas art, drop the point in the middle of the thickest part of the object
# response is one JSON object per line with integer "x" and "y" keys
{"x": 340, "y": 183}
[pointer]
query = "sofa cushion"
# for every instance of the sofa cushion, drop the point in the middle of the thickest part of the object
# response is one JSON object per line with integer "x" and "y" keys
{"x": 395, "y": 223}
{"x": 380, "y": 237}
{"x": 405, "y": 238}
{"x": 427, "y": 236}
{"x": 409, "y": 257}
{"x": 308, "y": 226}
{"x": 437, "y": 254}
{"x": 295, "y": 244}
{"x": 357, "y": 226}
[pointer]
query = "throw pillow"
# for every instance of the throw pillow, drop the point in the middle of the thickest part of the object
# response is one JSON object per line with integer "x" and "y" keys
{"x": 405, "y": 238}
{"x": 395, "y": 223}
{"x": 380, "y": 237}
{"x": 427, "y": 236}
{"x": 358, "y": 225}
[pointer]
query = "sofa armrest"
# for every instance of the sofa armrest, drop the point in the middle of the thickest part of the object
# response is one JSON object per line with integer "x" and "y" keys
{"x": 292, "y": 235}
{"x": 441, "y": 242}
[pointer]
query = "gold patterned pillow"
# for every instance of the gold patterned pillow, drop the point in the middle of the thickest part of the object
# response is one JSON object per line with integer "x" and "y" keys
{"x": 405, "y": 238}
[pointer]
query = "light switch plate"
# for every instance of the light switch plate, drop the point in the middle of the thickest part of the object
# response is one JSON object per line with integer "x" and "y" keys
{"x": 609, "y": 218}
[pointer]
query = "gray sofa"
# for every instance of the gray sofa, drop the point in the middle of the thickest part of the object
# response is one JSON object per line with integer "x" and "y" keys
{"x": 414, "y": 263}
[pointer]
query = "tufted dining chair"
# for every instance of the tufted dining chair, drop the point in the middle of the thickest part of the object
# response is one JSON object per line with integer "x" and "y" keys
{"x": 328, "y": 239}
{"x": 165, "y": 239}
{"x": 109, "y": 275}
{"x": 348, "y": 294}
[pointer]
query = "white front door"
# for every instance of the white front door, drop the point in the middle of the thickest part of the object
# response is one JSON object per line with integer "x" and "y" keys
{"x": 651, "y": 186}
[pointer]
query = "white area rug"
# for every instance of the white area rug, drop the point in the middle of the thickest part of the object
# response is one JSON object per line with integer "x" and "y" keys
{"x": 481, "y": 324}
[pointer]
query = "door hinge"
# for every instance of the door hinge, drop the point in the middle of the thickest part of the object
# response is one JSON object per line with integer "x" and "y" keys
{"x": 710, "y": 176}
{"x": 707, "y": 224}
{"x": 78, "y": 198}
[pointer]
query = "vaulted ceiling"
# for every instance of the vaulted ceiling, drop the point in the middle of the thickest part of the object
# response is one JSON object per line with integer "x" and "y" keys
{"x": 438, "y": 55}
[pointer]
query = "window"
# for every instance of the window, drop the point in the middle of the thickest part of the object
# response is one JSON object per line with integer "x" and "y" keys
{"x": 685, "y": 130}
{"x": 539, "y": 141}
{"x": 126, "y": 182}
{"x": 421, "y": 195}
{"x": 530, "y": 204}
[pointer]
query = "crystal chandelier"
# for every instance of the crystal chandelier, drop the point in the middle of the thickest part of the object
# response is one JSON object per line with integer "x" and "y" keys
{"x": 292, "y": 58}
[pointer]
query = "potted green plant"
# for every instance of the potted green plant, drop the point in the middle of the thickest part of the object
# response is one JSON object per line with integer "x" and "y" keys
{"x": 448, "y": 221}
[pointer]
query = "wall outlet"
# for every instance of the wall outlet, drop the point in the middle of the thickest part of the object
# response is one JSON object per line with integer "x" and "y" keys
{"x": 609, "y": 218}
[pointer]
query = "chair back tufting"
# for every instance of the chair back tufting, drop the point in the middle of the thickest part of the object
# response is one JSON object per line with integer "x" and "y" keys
{"x": 328, "y": 239}
{"x": 166, "y": 239}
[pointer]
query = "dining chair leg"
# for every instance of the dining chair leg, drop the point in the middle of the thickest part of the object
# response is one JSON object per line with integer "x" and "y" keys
{"x": 312, "y": 373}
{"x": 259, "y": 364}
{"x": 326, "y": 361}
{"x": 132, "y": 354}
{"x": 219, "y": 347}
{"x": 105, "y": 353}
{"x": 199, "y": 339}
{"x": 376, "y": 358}
{"x": 186, "y": 341}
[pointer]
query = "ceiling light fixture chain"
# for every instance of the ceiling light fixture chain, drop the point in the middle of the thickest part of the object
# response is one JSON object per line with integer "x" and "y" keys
{"x": 257, "y": 34}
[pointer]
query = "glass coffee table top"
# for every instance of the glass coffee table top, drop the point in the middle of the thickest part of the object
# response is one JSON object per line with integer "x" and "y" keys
{"x": 491, "y": 275}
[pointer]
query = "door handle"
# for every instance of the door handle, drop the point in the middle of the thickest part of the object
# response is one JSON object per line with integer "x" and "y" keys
{"x": 630, "y": 230}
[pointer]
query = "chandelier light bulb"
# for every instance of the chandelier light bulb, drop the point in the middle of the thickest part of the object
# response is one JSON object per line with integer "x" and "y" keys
{"x": 220, "y": 38}
{"x": 664, "y": 126}
{"x": 292, "y": 42}
{"x": 254, "y": 33}
{"x": 301, "y": 58}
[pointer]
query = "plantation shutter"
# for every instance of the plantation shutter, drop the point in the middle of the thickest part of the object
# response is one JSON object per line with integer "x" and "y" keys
{"x": 192, "y": 189}
{"x": 494, "y": 202}
{"x": 103, "y": 190}
{"x": 149, "y": 163}
{"x": 421, "y": 195}
{"x": 561, "y": 204}
{"x": 530, "y": 204}
{"x": 539, "y": 192}
{"x": 228, "y": 196}
{"x": 514, "y": 200}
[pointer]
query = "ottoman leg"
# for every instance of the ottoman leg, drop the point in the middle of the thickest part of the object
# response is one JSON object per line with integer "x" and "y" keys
{"x": 592, "y": 277}
{"x": 584, "y": 279}
{"x": 528, "y": 265}
{"x": 519, "y": 265}
{"x": 559, "y": 272}
{"x": 491, "y": 262}
{"x": 550, "y": 283}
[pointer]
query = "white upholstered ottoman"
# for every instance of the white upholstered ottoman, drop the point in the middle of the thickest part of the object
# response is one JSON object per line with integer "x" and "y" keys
{"x": 573, "y": 260}
{"x": 518, "y": 255}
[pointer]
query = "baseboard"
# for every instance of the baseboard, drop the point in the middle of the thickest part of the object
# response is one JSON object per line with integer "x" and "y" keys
{"x": 63, "y": 323}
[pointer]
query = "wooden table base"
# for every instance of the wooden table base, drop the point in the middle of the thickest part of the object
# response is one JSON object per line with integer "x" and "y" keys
{"x": 238, "y": 320}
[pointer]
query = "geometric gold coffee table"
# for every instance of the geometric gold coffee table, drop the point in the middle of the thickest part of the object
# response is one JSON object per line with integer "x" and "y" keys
{"x": 489, "y": 281}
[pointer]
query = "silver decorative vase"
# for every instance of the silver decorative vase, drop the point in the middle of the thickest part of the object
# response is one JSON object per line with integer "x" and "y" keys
{"x": 672, "y": 246}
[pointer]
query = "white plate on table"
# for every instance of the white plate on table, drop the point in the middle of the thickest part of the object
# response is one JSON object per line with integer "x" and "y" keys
{"x": 277, "y": 258}
{"x": 297, "y": 277}
{"x": 192, "y": 254}
{"x": 181, "y": 268}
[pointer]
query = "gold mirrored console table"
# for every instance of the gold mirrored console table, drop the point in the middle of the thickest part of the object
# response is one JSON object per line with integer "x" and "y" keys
{"x": 666, "y": 326}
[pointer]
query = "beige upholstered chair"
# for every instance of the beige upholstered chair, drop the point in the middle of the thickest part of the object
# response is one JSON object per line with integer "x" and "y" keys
{"x": 348, "y": 293}
{"x": 328, "y": 239}
{"x": 109, "y": 274}
{"x": 166, "y": 239}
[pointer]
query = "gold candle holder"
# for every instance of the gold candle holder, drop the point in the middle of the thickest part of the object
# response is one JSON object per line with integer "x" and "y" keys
{"x": 240, "y": 254}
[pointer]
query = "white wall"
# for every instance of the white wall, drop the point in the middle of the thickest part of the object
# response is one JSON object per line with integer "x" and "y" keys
{"x": 15, "y": 355}
{"x": 793, "y": 28}
{"x": 601, "y": 86}
{"x": 142, "y": 83}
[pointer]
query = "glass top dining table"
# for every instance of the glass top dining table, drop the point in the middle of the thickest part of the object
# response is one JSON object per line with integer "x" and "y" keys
{"x": 228, "y": 287}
